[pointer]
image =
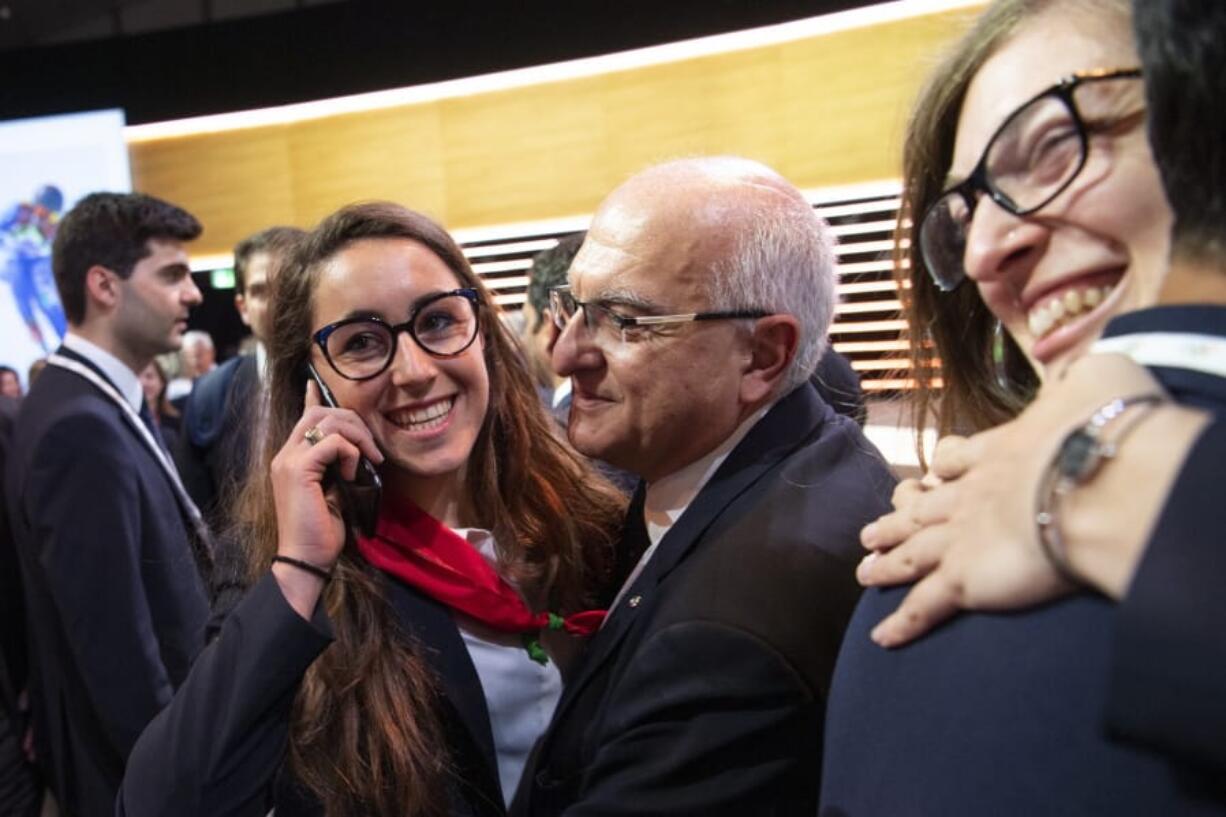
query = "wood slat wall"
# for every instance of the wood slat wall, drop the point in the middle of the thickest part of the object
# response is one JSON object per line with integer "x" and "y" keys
{"x": 824, "y": 111}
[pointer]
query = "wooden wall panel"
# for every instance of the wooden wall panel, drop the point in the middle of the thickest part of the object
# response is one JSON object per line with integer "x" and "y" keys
{"x": 388, "y": 154}
{"x": 234, "y": 182}
{"x": 724, "y": 104}
{"x": 846, "y": 98}
{"x": 823, "y": 111}
{"x": 540, "y": 149}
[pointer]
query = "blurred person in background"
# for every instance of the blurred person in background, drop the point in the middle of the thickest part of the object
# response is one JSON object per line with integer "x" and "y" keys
{"x": 197, "y": 357}
{"x": 1035, "y": 201}
{"x": 223, "y": 411}
{"x": 10, "y": 382}
{"x": 164, "y": 415}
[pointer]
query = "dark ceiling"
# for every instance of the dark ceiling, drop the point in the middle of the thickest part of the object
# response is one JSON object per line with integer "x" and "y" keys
{"x": 163, "y": 59}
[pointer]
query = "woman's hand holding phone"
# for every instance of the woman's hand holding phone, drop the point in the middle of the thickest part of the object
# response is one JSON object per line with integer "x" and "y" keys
{"x": 309, "y": 523}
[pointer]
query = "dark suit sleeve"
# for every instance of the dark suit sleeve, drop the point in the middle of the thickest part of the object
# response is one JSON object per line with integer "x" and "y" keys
{"x": 1170, "y": 651}
{"x": 708, "y": 720}
{"x": 215, "y": 750}
{"x": 83, "y": 505}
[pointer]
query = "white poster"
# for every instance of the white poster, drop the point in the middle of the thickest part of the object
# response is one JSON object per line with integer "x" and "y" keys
{"x": 46, "y": 165}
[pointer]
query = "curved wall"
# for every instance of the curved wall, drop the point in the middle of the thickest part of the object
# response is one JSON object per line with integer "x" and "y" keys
{"x": 824, "y": 110}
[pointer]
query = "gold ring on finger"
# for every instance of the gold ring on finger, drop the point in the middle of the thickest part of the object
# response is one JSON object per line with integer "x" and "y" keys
{"x": 313, "y": 435}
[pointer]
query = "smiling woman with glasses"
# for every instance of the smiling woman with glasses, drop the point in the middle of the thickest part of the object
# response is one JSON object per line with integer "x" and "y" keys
{"x": 1032, "y": 214}
{"x": 1034, "y": 156}
{"x": 443, "y": 324}
{"x": 1035, "y": 181}
{"x": 492, "y": 545}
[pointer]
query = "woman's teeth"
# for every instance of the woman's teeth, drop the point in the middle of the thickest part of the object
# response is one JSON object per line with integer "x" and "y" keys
{"x": 426, "y": 418}
{"x": 1051, "y": 315}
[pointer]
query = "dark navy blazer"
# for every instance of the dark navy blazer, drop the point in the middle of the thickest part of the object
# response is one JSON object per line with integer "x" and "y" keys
{"x": 115, "y": 600}
{"x": 1021, "y": 713}
{"x": 220, "y": 747}
{"x": 703, "y": 693}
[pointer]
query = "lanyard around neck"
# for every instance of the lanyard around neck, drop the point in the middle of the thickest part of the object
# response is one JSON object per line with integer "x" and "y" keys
{"x": 138, "y": 425}
{"x": 1175, "y": 350}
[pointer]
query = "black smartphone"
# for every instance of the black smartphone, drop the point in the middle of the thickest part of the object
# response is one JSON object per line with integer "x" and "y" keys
{"x": 360, "y": 498}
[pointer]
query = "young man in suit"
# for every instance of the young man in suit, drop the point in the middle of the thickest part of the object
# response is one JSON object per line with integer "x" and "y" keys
{"x": 110, "y": 546}
{"x": 698, "y": 306}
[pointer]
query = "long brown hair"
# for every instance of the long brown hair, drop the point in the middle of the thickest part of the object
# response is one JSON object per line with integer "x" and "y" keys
{"x": 957, "y": 328}
{"x": 366, "y": 736}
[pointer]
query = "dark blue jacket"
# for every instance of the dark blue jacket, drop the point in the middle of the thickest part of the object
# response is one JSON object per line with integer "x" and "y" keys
{"x": 1080, "y": 707}
{"x": 115, "y": 599}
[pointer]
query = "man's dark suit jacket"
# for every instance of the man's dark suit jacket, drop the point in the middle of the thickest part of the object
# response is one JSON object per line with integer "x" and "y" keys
{"x": 115, "y": 602}
{"x": 703, "y": 693}
{"x": 1080, "y": 707}
{"x": 215, "y": 438}
{"x": 19, "y": 790}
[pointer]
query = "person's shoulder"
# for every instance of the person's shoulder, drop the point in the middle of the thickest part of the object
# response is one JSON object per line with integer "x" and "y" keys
{"x": 219, "y": 376}
{"x": 205, "y": 408}
{"x": 833, "y": 484}
{"x": 8, "y": 409}
{"x": 80, "y": 439}
{"x": 61, "y": 400}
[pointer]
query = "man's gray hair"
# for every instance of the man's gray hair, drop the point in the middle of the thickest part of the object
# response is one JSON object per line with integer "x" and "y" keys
{"x": 783, "y": 262}
{"x": 193, "y": 337}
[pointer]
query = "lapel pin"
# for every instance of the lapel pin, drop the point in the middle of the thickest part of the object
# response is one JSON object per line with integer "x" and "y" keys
{"x": 633, "y": 601}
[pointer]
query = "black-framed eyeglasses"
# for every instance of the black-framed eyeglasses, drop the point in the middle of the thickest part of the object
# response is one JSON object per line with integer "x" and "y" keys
{"x": 1031, "y": 159}
{"x": 443, "y": 324}
{"x": 563, "y": 306}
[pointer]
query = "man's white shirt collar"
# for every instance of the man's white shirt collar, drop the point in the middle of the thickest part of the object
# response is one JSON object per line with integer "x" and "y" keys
{"x": 667, "y": 498}
{"x": 125, "y": 380}
{"x": 561, "y": 392}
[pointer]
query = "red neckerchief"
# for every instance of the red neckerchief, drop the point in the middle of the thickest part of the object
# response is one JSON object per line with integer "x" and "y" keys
{"x": 421, "y": 551}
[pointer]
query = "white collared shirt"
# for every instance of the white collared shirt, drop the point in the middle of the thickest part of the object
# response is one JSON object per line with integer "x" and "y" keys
{"x": 125, "y": 380}
{"x": 669, "y": 497}
{"x": 561, "y": 392}
{"x": 520, "y": 694}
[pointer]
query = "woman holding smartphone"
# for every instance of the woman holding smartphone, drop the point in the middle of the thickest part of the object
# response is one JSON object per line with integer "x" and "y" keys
{"x": 409, "y": 668}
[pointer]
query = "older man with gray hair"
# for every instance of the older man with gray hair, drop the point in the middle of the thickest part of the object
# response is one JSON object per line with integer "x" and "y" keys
{"x": 697, "y": 308}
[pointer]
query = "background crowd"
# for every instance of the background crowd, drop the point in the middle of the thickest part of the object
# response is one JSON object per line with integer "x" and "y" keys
{"x": 635, "y": 555}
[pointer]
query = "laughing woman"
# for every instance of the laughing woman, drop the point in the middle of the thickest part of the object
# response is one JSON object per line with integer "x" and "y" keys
{"x": 1035, "y": 206}
{"x": 408, "y": 671}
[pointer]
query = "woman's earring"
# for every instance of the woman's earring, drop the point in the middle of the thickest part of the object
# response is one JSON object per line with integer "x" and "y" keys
{"x": 998, "y": 356}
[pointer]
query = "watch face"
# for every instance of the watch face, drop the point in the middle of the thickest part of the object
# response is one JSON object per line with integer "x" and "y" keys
{"x": 1080, "y": 456}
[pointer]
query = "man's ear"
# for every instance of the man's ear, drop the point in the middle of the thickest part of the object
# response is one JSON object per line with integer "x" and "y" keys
{"x": 552, "y": 329}
{"x": 240, "y": 303}
{"x": 773, "y": 344}
{"x": 102, "y": 287}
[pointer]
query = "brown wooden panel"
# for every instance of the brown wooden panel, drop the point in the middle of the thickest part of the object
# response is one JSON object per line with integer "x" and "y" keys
{"x": 846, "y": 97}
{"x": 528, "y": 153}
{"x": 391, "y": 154}
{"x": 823, "y": 111}
{"x": 235, "y": 182}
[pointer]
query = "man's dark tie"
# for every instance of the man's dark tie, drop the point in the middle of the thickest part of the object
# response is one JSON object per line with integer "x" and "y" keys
{"x": 633, "y": 542}
{"x": 147, "y": 418}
